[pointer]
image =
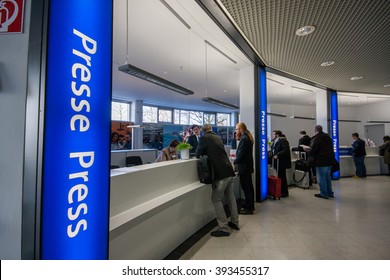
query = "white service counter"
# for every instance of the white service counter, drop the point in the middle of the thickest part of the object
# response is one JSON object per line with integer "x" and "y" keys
{"x": 155, "y": 207}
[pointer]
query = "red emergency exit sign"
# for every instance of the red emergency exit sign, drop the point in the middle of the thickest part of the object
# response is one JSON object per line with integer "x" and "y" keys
{"x": 11, "y": 16}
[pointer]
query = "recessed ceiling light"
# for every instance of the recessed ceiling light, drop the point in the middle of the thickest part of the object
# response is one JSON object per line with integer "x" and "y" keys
{"x": 327, "y": 63}
{"x": 356, "y": 78}
{"x": 387, "y": 85}
{"x": 305, "y": 30}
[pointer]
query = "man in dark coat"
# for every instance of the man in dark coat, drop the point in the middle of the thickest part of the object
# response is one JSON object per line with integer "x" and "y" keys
{"x": 211, "y": 144}
{"x": 193, "y": 140}
{"x": 358, "y": 154}
{"x": 321, "y": 155}
{"x": 281, "y": 158}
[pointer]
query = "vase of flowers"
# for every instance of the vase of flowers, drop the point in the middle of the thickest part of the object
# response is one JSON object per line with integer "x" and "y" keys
{"x": 184, "y": 149}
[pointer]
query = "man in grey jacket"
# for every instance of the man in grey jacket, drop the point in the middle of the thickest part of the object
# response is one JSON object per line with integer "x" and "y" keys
{"x": 212, "y": 146}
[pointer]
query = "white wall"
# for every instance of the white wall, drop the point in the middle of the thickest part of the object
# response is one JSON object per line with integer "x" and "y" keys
{"x": 291, "y": 127}
{"x": 13, "y": 84}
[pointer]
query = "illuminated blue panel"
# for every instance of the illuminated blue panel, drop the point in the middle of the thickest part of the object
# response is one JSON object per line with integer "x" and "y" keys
{"x": 75, "y": 198}
{"x": 263, "y": 135}
{"x": 334, "y": 124}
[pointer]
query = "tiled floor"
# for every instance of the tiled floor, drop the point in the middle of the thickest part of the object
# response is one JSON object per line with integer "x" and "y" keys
{"x": 354, "y": 226}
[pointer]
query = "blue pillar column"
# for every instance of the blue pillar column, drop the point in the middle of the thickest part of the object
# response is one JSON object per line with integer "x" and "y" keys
{"x": 334, "y": 127}
{"x": 262, "y": 135}
{"x": 76, "y": 149}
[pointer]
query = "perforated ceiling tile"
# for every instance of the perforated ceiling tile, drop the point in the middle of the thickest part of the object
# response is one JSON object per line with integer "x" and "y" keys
{"x": 353, "y": 33}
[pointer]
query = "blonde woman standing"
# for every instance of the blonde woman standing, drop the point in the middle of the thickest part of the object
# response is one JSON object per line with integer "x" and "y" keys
{"x": 244, "y": 161}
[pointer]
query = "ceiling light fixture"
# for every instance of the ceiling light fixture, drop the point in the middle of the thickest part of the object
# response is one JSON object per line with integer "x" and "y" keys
{"x": 149, "y": 77}
{"x": 327, "y": 63}
{"x": 221, "y": 52}
{"x": 275, "y": 81}
{"x": 387, "y": 85}
{"x": 144, "y": 75}
{"x": 378, "y": 121}
{"x": 305, "y": 30}
{"x": 356, "y": 78}
{"x": 276, "y": 115}
{"x": 220, "y": 103}
{"x": 349, "y": 121}
{"x": 176, "y": 14}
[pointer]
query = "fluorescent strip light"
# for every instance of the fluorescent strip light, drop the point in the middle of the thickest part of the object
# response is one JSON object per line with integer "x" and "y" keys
{"x": 149, "y": 77}
{"x": 305, "y": 89}
{"x": 301, "y": 118}
{"x": 378, "y": 121}
{"x": 349, "y": 121}
{"x": 220, "y": 103}
{"x": 221, "y": 52}
{"x": 275, "y": 81}
{"x": 175, "y": 14}
{"x": 276, "y": 115}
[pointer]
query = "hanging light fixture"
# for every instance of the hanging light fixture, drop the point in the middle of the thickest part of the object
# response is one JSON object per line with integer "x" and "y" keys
{"x": 147, "y": 76}
{"x": 213, "y": 100}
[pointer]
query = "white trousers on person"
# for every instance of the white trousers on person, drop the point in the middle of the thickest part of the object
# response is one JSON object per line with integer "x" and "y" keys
{"x": 224, "y": 188}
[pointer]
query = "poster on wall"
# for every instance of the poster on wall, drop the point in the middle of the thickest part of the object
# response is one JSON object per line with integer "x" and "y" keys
{"x": 121, "y": 135}
{"x": 11, "y": 16}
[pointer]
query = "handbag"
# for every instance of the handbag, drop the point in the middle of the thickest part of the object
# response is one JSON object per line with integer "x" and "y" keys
{"x": 301, "y": 165}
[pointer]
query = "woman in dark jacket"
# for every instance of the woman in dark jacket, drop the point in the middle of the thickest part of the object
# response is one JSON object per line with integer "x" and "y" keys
{"x": 244, "y": 161}
{"x": 281, "y": 158}
{"x": 321, "y": 155}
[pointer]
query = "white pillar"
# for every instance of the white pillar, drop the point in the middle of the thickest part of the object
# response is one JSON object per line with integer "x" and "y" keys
{"x": 136, "y": 116}
{"x": 322, "y": 109}
{"x": 247, "y": 98}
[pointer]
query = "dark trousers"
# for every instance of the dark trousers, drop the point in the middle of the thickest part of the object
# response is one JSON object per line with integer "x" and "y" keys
{"x": 282, "y": 175}
{"x": 249, "y": 192}
{"x": 360, "y": 167}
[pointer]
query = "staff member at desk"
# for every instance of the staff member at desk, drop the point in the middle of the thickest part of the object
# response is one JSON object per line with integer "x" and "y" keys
{"x": 168, "y": 153}
{"x": 193, "y": 140}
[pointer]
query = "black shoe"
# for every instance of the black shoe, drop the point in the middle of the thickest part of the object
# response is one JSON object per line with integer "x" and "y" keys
{"x": 284, "y": 195}
{"x": 320, "y": 196}
{"x": 331, "y": 196}
{"x": 219, "y": 233}
{"x": 233, "y": 226}
{"x": 246, "y": 212}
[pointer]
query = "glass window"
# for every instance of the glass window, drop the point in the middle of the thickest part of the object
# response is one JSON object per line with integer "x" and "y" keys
{"x": 184, "y": 117}
{"x": 164, "y": 115}
{"x": 149, "y": 114}
{"x": 196, "y": 117}
{"x": 209, "y": 118}
{"x": 176, "y": 116}
{"x": 223, "y": 119}
{"x": 120, "y": 111}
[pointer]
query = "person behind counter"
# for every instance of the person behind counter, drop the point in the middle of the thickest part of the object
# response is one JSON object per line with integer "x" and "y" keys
{"x": 385, "y": 147}
{"x": 358, "y": 154}
{"x": 193, "y": 140}
{"x": 244, "y": 161}
{"x": 168, "y": 153}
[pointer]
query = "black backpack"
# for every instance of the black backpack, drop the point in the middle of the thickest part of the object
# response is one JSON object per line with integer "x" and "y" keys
{"x": 205, "y": 170}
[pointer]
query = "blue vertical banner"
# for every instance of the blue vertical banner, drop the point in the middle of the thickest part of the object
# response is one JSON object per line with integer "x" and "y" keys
{"x": 76, "y": 160}
{"x": 263, "y": 133}
{"x": 334, "y": 125}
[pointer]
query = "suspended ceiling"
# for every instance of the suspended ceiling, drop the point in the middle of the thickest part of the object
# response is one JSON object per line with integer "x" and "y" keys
{"x": 354, "y": 34}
